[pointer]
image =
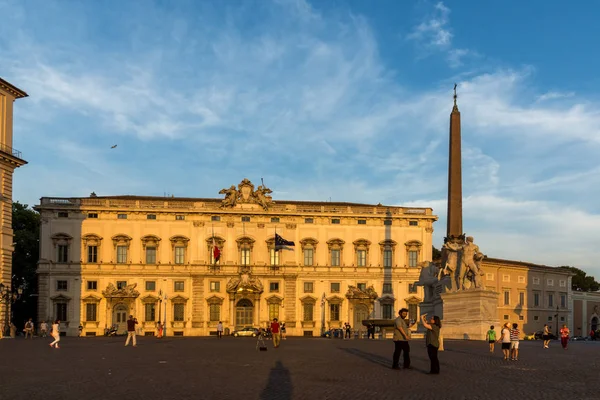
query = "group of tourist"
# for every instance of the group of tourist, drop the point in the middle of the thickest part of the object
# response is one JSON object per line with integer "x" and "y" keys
{"x": 509, "y": 337}
{"x": 402, "y": 337}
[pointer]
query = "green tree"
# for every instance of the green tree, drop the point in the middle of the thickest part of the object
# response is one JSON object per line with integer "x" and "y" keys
{"x": 26, "y": 228}
{"x": 435, "y": 254}
{"x": 581, "y": 282}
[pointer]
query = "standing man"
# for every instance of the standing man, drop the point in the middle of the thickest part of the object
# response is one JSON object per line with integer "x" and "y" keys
{"x": 275, "y": 333}
{"x": 401, "y": 338}
{"x": 44, "y": 329}
{"x": 29, "y": 329}
{"x": 131, "y": 323}
{"x": 220, "y": 330}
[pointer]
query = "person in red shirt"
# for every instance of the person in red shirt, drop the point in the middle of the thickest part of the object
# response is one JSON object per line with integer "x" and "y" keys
{"x": 131, "y": 323}
{"x": 275, "y": 333}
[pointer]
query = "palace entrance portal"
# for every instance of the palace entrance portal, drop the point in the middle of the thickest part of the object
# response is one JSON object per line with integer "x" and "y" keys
{"x": 244, "y": 313}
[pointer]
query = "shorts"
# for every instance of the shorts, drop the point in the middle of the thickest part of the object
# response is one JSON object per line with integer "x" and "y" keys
{"x": 491, "y": 341}
{"x": 514, "y": 345}
{"x": 546, "y": 337}
{"x": 505, "y": 346}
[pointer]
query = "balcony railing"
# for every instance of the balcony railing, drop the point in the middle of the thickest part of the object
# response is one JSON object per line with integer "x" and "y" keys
{"x": 9, "y": 150}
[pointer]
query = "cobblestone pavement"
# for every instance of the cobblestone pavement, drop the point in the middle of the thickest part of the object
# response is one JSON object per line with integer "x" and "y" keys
{"x": 232, "y": 368}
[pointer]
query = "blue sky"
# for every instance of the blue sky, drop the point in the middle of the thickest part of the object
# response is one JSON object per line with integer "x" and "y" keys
{"x": 347, "y": 100}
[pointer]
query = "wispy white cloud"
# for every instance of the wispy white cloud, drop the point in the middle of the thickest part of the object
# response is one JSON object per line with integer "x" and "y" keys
{"x": 434, "y": 31}
{"x": 554, "y": 96}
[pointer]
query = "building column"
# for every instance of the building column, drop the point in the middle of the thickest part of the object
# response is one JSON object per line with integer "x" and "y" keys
{"x": 584, "y": 318}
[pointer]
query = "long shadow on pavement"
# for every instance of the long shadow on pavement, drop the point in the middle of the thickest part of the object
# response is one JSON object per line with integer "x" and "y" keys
{"x": 279, "y": 385}
{"x": 374, "y": 358}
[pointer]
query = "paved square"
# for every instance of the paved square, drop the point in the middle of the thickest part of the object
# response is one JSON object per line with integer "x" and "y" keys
{"x": 231, "y": 368}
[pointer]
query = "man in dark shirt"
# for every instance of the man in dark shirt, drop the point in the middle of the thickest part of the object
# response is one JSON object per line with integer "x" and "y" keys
{"x": 131, "y": 323}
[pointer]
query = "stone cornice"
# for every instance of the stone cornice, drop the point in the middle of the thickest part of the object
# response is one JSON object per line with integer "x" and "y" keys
{"x": 12, "y": 90}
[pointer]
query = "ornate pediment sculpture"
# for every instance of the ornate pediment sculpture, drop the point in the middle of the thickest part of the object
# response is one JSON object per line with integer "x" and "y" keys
{"x": 245, "y": 194}
{"x": 127, "y": 291}
{"x": 367, "y": 294}
{"x": 244, "y": 283}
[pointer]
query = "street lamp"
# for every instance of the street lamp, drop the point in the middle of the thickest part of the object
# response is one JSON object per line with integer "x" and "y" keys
{"x": 7, "y": 297}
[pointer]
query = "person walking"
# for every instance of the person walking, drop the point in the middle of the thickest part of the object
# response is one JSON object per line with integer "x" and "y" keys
{"x": 401, "y": 339}
{"x": 55, "y": 333}
{"x": 220, "y": 330}
{"x": 491, "y": 338}
{"x": 546, "y": 335}
{"x": 131, "y": 323}
{"x": 44, "y": 329}
{"x": 283, "y": 333}
{"x": 29, "y": 329}
{"x": 564, "y": 336}
{"x": 505, "y": 339}
{"x": 432, "y": 341}
{"x": 348, "y": 331}
{"x": 275, "y": 333}
{"x": 159, "y": 330}
{"x": 514, "y": 342}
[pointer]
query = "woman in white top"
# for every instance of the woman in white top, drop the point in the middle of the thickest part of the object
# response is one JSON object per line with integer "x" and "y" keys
{"x": 55, "y": 334}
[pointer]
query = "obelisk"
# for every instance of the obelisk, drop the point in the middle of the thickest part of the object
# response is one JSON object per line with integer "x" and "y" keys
{"x": 454, "y": 229}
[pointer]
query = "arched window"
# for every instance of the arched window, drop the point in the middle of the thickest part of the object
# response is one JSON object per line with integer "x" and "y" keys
{"x": 361, "y": 250}
{"x": 388, "y": 250}
{"x": 309, "y": 248}
{"x": 336, "y": 248}
{"x": 150, "y": 248}
{"x": 245, "y": 245}
{"x": 413, "y": 253}
{"x": 179, "y": 245}
{"x": 62, "y": 244}
{"x": 121, "y": 244}
{"x": 91, "y": 247}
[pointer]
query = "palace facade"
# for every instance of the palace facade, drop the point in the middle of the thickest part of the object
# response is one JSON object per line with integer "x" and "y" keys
{"x": 104, "y": 258}
{"x": 10, "y": 159}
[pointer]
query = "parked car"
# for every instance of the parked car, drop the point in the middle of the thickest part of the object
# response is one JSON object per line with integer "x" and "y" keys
{"x": 539, "y": 335}
{"x": 576, "y": 338}
{"x": 247, "y": 331}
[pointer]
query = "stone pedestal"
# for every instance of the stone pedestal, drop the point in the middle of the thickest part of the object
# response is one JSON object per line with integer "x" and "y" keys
{"x": 468, "y": 314}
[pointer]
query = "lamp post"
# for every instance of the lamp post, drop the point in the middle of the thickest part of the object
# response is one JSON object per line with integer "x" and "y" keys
{"x": 160, "y": 305}
{"x": 7, "y": 297}
{"x": 165, "y": 319}
{"x": 556, "y": 315}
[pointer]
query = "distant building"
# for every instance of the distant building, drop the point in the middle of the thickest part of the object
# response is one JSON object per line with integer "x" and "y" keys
{"x": 586, "y": 312}
{"x": 530, "y": 295}
{"x": 10, "y": 159}
{"x": 104, "y": 258}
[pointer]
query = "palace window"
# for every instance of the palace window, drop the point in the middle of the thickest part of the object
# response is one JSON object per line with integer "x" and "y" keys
{"x": 92, "y": 215}
{"x": 521, "y": 298}
{"x": 361, "y": 247}
{"x": 211, "y": 242}
{"x": 361, "y": 258}
{"x": 274, "y": 287}
{"x": 179, "y": 255}
{"x": 215, "y": 312}
{"x": 521, "y": 279}
{"x": 336, "y": 247}
{"x": 275, "y": 219}
{"x": 362, "y": 286}
{"x": 245, "y": 256}
{"x": 273, "y": 311}
{"x": 63, "y": 253}
{"x": 536, "y": 299}
{"x": 387, "y": 222}
{"x": 387, "y": 248}
{"x": 121, "y": 216}
{"x": 61, "y": 286}
{"x": 413, "y": 252}
{"x": 536, "y": 281}
{"x": 178, "y": 312}
{"x": 413, "y": 223}
{"x": 179, "y": 217}
{"x": 151, "y": 216}
{"x": 505, "y": 278}
{"x": 150, "y": 255}
{"x": 387, "y": 311}
{"x": 150, "y": 286}
{"x": 178, "y": 286}
{"x": 309, "y": 220}
{"x": 550, "y": 300}
{"x": 92, "y": 285}
{"x": 92, "y": 254}
{"x": 335, "y": 221}
{"x": 215, "y": 286}
{"x": 245, "y": 219}
{"x": 562, "y": 283}
{"x": 308, "y": 287}
{"x": 274, "y": 256}
{"x": 387, "y": 258}
{"x": 334, "y": 312}
{"x": 335, "y": 258}
{"x": 91, "y": 312}
{"x": 387, "y": 288}
{"x": 121, "y": 285}
{"x": 215, "y": 218}
{"x": 150, "y": 312}
{"x": 506, "y": 297}
{"x": 245, "y": 245}
{"x": 308, "y": 256}
{"x": 308, "y": 311}
{"x": 63, "y": 214}
{"x": 121, "y": 254}
{"x": 61, "y": 311}
{"x": 550, "y": 282}
{"x": 362, "y": 222}
{"x": 412, "y": 288}
{"x": 563, "y": 301}
{"x": 335, "y": 287}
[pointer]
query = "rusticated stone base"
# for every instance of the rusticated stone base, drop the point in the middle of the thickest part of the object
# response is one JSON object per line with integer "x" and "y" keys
{"x": 468, "y": 314}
